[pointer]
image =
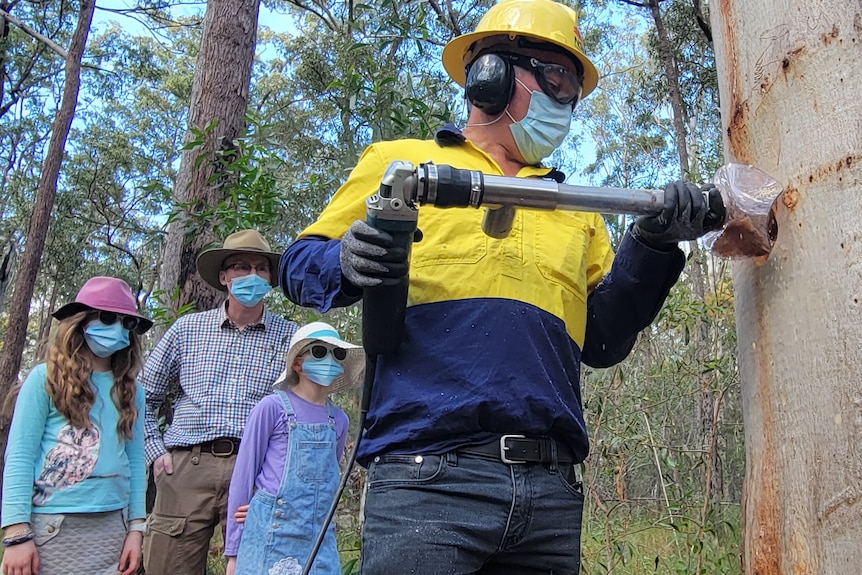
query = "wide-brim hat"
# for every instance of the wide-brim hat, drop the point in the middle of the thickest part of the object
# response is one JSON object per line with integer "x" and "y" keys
{"x": 318, "y": 331}
{"x": 103, "y": 293}
{"x": 210, "y": 261}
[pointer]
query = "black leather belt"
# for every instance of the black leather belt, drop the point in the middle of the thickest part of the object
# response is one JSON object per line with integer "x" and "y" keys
{"x": 221, "y": 447}
{"x": 514, "y": 449}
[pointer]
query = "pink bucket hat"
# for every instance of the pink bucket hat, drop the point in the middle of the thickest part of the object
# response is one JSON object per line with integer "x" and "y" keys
{"x": 105, "y": 294}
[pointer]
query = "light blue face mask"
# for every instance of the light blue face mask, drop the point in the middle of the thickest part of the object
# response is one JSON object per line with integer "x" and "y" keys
{"x": 103, "y": 340}
{"x": 322, "y": 371}
{"x": 544, "y": 127}
{"x": 249, "y": 290}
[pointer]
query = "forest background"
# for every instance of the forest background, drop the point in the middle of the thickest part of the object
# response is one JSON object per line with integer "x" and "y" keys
{"x": 664, "y": 479}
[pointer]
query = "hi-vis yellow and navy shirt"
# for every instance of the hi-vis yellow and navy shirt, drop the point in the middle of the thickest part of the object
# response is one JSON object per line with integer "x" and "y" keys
{"x": 496, "y": 329}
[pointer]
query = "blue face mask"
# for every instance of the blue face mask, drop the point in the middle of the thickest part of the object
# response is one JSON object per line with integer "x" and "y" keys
{"x": 249, "y": 290}
{"x": 543, "y": 129}
{"x": 322, "y": 371}
{"x": 103, "y": 340}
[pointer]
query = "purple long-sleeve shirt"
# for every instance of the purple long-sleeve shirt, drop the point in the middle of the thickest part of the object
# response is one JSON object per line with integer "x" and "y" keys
{"x": 263, "y": 451}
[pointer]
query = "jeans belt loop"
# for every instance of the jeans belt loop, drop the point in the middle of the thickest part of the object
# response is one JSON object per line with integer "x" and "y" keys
{"x": 196, "y": 454}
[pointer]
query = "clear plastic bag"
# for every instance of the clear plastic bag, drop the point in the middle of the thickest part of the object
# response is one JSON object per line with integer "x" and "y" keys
{"x": 749, "y": 228}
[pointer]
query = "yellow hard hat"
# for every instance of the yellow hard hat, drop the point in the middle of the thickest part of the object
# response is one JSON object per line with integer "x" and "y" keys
{"x": 538, "y": 20}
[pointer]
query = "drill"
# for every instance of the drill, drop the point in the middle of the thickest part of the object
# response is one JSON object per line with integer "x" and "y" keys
{"x": 395, "y": 209}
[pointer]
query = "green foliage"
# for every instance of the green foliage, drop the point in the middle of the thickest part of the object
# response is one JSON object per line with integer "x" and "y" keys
{"x": 246, "y": 170}
{"x": 167, "y": 315}
{"x": 633, "y": 542}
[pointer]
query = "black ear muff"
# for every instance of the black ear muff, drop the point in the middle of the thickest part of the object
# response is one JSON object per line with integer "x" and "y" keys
{"x": 489, "y": 84}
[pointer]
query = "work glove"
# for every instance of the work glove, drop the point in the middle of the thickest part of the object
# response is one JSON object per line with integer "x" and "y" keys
{"x": 369, "y": 257}
{"x": 689, "y": 212}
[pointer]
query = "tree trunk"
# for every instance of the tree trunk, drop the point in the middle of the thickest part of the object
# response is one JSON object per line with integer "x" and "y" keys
{"x": 8, "y": 253}
{"x": 672, "y": 74}
{"x": 19, "y": 308}
{"x": 45, "y": 323}
{"x": 696, "y": 268}
{"x": 4, "y": 37}
{"x": 789, "y": 83}
{"x": 219, "y": 94}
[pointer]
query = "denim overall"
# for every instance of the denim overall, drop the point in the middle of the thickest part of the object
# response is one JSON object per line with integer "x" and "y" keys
{"x": 280, "y": 529}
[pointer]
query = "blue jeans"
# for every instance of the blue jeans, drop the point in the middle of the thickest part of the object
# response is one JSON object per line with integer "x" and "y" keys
{"x": 459, "y": 514}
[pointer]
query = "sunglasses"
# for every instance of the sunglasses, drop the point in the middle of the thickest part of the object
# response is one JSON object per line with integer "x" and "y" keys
{"x": 558, "y": 82}
{"x": 319, "y": 351}
{"x": 129, "y": 322}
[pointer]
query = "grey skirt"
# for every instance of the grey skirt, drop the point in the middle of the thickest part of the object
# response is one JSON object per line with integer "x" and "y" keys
{"x": 79, "y": 543}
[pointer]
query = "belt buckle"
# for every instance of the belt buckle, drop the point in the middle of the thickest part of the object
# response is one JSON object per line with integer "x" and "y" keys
{"x": 227, "y": 453}
{"x": 504, "y": 448}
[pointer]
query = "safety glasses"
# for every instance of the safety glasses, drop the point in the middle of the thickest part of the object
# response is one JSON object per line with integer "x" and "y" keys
{"x": 243, "y": 268}
{"x": 319, "y": 351}
{"x": 129, "y": 322}
{"x": 558, "y": 82}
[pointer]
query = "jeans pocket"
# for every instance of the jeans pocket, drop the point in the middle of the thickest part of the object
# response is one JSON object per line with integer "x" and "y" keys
{"x": 570, "y": 477}
{"x": 388, "y": 470}
{"x": 45, "y": 526}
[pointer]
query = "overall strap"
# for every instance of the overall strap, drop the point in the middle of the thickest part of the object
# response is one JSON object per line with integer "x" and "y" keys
{"x": 288, "y": 407}
{"x": 330, "y": 407}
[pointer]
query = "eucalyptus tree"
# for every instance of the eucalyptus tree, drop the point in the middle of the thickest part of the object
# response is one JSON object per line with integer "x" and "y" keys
{"x": 790, "y": 105}
{"x": 122, "y": 148}
{"x": 31, "y": 59}
{"x": 217, "y": 108}
{"x": 16, "y": 332}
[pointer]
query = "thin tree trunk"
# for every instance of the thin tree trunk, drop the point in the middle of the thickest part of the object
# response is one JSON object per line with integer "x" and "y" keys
{"x": 8, "y": 253}
{"x": 672, "y": 75}
{"x": 19, "y": 309}
{"x": 220, "y": 95}
{"x": 789, "y": 83}
{"x": 45, "y": 323}
{"x": 696, "y": 269}
{"x": 4, "y": 37}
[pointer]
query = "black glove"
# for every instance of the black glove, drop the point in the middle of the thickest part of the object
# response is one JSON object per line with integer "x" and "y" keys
{"x": 689, "y": 212}
{"x": 369, "y": 257}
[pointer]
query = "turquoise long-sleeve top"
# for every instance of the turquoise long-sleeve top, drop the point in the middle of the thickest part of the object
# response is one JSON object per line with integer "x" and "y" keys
{"x": 53, "y": 467}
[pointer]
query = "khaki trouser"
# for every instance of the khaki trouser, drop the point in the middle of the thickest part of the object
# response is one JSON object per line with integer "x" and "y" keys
{"x": 189, "y": 504}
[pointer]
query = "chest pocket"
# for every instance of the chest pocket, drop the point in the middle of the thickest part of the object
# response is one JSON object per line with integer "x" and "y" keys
{"x": 561, "y": 246}
{"x": 316, "y": 460}
{"x": 452, "y": 236}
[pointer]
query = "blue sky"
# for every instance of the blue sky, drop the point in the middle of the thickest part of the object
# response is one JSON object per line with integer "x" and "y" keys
{"x": 282, "y": 23}
{"x": 103, "y": 15}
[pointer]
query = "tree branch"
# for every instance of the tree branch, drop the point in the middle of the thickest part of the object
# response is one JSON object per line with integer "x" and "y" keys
{"x": 326, "y": 17}
{"x": 701, "y": 20}
{"x": 42, "y": 38}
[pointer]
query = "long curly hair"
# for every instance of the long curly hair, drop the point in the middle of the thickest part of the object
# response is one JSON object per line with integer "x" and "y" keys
{"x": 69, "y": 366}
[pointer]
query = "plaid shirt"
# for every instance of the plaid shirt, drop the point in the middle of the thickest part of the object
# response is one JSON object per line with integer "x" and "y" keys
{"x": 223, "y": 371}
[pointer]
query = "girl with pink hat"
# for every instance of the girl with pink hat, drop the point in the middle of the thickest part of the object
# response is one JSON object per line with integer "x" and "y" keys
{"x": 74, "y": 481}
